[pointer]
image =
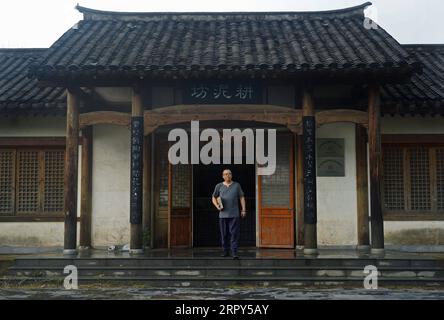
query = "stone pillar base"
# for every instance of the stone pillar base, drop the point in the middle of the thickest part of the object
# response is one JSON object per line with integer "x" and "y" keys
{"x": 363, "y": 248}
{"x": 311, "y": 252}
{"x": 70, "y": 252}
{"x": 378, "y": 251}
{"x": 136, "y": 251}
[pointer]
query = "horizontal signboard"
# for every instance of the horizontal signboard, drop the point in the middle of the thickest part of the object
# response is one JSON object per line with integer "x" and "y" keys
{"x": 222, "y": 92}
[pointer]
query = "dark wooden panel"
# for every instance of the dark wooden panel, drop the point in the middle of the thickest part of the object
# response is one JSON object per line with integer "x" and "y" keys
{"x": 86, "y": 187}
{"x": 179, "y": 204}
{"x": 276, "y": 230}
{"x": 161, "y": 228}
{"x": 276, "y": 220}
{"x": 363, "y": 227}
{"x": 413, "y": 138}
{"x": 32, "y": 141}
{"x": 160, "y": 193}
{"x": 375, "y": 164}
{"x": 180, "y": 229}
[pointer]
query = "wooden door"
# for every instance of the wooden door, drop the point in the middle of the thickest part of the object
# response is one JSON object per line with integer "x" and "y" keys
{"x": 160, "y": 192}
{"x": 276, "y": 199}
{"x": 179, "y": 205}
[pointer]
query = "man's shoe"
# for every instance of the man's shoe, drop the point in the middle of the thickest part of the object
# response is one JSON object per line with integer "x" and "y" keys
{"x": 235, "y": 256}
{"x": 225, "y": 254}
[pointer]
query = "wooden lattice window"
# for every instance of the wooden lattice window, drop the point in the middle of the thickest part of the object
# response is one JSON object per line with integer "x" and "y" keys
{"x": 413, "y": 178}
{"x": 53, "y": 199}
{"x": 7, "y": 187}
{"x": 440, "y": 178}
{"x": 163, "y": 174}
{"x": 275, "y": 187}
{"x": 181, "y": 186}
{"x": 394, "y": 178}
{"x": 31, "y": 181}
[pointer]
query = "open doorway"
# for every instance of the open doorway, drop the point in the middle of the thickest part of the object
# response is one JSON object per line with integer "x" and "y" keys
{"x": 205, "y": 216}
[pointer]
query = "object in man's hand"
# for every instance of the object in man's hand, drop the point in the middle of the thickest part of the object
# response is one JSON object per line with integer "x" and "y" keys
{"x": 219, "y": 202}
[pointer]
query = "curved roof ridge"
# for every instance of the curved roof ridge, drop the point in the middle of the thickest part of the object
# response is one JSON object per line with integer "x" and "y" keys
{"x": 95, "y": 14}
{"x": 428, "y": 46}
{"x": 18, "y": 50}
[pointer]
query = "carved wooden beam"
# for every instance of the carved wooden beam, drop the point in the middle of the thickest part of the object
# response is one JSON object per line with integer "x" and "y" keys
{"x": 290, "y": 118}
{"x": 342, "y": 115}
{"x": 105, "y": 117}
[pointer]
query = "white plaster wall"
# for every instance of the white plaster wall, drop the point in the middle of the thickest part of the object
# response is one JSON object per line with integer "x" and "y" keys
{"x": 337, "y": 202}
{"x": 32, "y": 233}
{"x": 111, "y": 185}
{"x": 110, "y": 204}
{"x": 32, "y": 127}
{"x": 413, "y": 232}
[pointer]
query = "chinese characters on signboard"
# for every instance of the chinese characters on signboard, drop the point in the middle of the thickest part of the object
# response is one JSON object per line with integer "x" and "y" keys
{"x": 222, "y": 92}
{"x": 330, "y": 158}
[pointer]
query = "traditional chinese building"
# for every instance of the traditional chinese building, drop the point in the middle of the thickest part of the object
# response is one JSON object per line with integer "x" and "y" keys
{"x": 358, "y": 116}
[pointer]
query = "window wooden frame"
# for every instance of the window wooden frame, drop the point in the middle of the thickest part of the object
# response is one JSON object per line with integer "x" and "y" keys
{"x": 431, "y": 141}
{"x": 40, "y": 144}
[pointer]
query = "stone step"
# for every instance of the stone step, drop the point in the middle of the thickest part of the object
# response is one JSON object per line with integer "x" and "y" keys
{"x": 215, "y": 281}
{"x": 200, "y": 262}
{"x": 221, "y": 271}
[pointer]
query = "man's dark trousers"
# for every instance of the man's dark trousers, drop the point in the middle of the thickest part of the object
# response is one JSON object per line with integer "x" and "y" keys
{"x": 229, "y": 233}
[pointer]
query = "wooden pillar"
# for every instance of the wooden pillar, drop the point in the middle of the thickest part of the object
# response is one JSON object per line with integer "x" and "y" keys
{"x": 147, "y": 190}
{"x": 362, "y": 188}
{"x": 86, "y": 189}
{"x": 299, "y": 192}
{"x": 377, "y": 223}
{"x": 71, "y": 172}
{"x": 309, "y": 170}
{"x": 136, "y": 196}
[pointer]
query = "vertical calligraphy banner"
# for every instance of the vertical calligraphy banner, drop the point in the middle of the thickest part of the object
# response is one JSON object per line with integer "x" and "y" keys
{"x": 309, "y": 149}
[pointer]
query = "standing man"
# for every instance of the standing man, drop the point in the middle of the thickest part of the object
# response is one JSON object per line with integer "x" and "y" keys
{"x": 226, "y": 197}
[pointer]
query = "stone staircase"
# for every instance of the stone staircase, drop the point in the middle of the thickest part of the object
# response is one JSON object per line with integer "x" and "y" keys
{"x": 210, "y": 271}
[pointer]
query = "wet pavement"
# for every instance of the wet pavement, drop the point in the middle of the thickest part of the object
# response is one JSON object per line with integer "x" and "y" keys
{"x": 210, "y": 252}
{"x": 141, "y": 292}
{"x": 222, "y": 294}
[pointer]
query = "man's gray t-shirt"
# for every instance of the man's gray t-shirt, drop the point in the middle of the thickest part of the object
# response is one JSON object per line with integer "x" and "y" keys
{"x": 230, "y": 196}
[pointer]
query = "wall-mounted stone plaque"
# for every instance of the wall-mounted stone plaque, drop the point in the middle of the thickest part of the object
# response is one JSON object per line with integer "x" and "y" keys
{"x": 330, "y": 158}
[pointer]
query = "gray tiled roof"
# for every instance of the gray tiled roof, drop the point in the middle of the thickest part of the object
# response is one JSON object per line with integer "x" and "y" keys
{"x": 134, "y": 45}
{"x": 424, "y": 92}
{"x": 19, "y": 93}
{"x": 139, "y": 43}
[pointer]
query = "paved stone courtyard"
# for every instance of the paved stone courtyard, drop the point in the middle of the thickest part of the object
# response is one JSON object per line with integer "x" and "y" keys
{"x": 145, "y": 292}
{"x": 224, "y": 293}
